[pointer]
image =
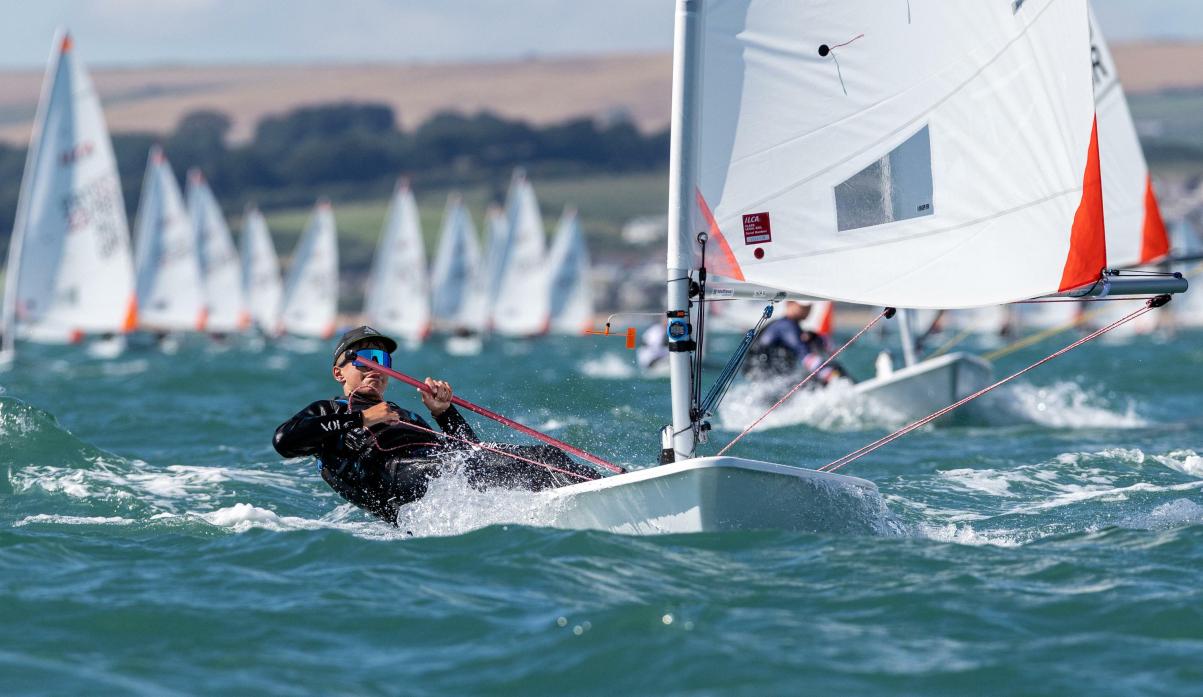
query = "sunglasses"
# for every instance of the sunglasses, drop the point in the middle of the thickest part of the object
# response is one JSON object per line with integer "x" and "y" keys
{"x": 381, "y": 356}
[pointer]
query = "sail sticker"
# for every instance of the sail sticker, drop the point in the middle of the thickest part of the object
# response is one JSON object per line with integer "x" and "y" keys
{"x": 757, "y": 229}
{"x": 722, "y": 292}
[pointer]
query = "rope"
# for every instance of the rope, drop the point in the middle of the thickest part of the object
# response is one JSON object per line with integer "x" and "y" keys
{"x": 888, "y": 312}
{"x": 865, "y": 450}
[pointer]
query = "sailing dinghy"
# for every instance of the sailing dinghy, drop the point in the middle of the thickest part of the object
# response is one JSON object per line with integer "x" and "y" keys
{"x": 310, "y": 305}
{"x": 458, "y": 297}
{"x": 571, "y": 292}
{"x": 70, "y": 269}
{"x": 923, "y": 154}
{"x": 398, "y": 293}
{"x": 520, "y": 304}
{"x": 221, "y": 273}
{"x": 261, "y": 284}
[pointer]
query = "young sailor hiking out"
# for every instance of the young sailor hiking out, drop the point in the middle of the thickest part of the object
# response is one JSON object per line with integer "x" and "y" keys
{"x": 381, "y": 456}
{"x": 784, "y": 347}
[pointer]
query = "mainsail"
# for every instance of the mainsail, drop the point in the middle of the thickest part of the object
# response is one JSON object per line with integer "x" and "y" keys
{"x": 70, "y": 270}
{"x": 571, "y": 299}
{"x": 262, "y": 286}
{"x": 520, "y": 306}
{"x": 457, "y": 290}
{"x": 922, "y": 154}
{"x": 398, "y": 294}
{"x": 170, "y": 290}
{"x": 310, "y": 304}
{"x": 220, "y": 270}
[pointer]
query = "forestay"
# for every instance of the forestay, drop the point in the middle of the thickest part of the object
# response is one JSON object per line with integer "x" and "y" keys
{"x": 262, "y": 286}
{"x": 398, "y": 294}
{"x": 310, "y": 303}
{"x": 170, "y": 290}
{"x": 457, "y": 291}
{"x": 220, "y": 270}
{"x": 521, "y": 307}
{"x": 70, "y": 268}
{"x": 915, "y": 154}
{"x": 571, "y": 292}
{"x": 1135, "y": 231}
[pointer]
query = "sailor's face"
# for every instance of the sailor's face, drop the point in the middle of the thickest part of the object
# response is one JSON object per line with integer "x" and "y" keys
{"x": 356, "y": 379}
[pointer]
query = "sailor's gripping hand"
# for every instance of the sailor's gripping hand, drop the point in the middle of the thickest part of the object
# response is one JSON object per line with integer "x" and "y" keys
{"x": 438, "y": 402}
{"x": 379, "y": 413}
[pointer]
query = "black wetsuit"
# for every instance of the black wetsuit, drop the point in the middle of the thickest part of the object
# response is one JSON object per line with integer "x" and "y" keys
{"x": 383, "y": 467}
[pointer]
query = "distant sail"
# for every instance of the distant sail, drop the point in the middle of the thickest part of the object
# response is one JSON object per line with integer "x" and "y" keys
{"x": 495, "y": 243}
{"x": 521, "y": 307}
{"x": 70, "y": 268}
{"x": 570, "y": 287}
{"x": 262, "y": 286}
{"x": 310, "y": 305}
{"x": 220, "y": 270}
{"x": 398, "y": 294}
{"x": 457, "y": 289}
{"x": 170, "y": 288}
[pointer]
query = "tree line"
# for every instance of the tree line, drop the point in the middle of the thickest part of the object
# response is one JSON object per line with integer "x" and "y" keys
{"x": 354, "y": 150}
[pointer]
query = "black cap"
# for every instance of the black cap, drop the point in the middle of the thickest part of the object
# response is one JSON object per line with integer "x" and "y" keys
{"x": 358, "y": 334}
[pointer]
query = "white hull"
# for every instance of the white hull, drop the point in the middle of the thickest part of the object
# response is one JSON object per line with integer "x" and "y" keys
{"x": 918, "y": 390}
{"x": 715, "y": 494}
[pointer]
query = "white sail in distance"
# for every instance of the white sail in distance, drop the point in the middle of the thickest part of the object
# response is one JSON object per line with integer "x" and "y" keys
{"x": 398, "y": 293}
{"x": 262, "y": 287}
{"x": 310, "y": 305}
{"x": 495, "y": 242}
{"x": 221, "y": 272}
{"x": 924, "y": 154}
{"x": 458, "y": 292}
{"x": 571, "y": 292}
{"x": 520, "y": 306}
{"x": 70, "y": 269}
{"x": 170, "y": 287}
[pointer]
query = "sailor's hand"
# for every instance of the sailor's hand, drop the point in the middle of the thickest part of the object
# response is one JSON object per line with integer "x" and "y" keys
{"x": 438, "y": 402}
{"x": 379, "y": 413}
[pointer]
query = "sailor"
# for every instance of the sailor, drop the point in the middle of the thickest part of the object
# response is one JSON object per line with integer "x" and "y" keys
{"x": 784, "y": 347}
{"x": 381, "y": 456}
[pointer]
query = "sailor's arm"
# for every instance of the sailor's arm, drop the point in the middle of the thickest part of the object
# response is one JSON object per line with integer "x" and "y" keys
{"x": 313, "y": 426}
{"x": 453, "y": 423}
{"x": 444, "y": 412}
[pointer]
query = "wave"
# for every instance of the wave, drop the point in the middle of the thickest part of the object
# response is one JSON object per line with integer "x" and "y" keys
{"x": 1063, "y": 404}
{"x": 608, "y": 366}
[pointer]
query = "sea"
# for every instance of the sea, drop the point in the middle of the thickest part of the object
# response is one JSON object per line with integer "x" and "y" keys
{"x": 1047, "y": 541}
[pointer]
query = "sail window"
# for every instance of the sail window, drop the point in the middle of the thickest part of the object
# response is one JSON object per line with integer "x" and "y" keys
{"x": 896, "y": 187}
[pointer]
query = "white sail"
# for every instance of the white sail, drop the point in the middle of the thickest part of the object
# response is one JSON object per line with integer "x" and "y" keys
{"x": 924, "y": 154}
{"x": 70, "y": 269}
{"x": 495, "y": 243}
{"x": 571, "y": 299}
{"x": 520, "y": 305}
{"x": 1135, "y": 231}
{"x": 310, "y": 305}
{"x": 170, "y": 287}
{"x": 261, "y": 284}
{"x": 398, "y": 293}
{"x": 457, "y": 291}
{"x": 220, "y": 270}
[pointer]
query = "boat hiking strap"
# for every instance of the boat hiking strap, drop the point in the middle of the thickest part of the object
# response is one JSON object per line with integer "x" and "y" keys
{"x": 488, "y": 413}
{"x": 834, "y": 465}
{"x": 886, "y": 313}
{"x": 719, "y": 389}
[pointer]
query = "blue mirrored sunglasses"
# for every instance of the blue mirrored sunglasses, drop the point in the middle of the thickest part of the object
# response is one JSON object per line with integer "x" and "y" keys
{"x": 381, "y": 356}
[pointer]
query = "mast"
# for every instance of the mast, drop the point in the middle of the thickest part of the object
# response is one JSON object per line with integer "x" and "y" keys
{"x": 682, "y": 183}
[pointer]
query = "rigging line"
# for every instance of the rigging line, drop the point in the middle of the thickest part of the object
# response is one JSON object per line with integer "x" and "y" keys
{"x": 865, "y": 450}
{"x": 489, "y": 414}
{"x": 887, "y": 313}
{"x": 948, "y": 345}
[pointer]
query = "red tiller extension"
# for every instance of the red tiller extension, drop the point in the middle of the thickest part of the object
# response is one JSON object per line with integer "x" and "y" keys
{"x": 487, "y": 413}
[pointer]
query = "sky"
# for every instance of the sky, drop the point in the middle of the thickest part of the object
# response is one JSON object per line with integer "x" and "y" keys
{"x": 131, "y": 33}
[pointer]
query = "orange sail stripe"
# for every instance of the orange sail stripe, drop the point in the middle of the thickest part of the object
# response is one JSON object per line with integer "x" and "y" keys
{"x": 1154, "y": 242}
{"x": 726, "y": 264}
{"x": 825, "y": 321}
{"x": 1087, "y": 240}
{"x": 131, "y": 316}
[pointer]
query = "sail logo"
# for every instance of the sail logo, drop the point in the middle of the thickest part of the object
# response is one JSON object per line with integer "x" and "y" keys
{"x": 75, "y": 154}
{"x": 757, "y": 229}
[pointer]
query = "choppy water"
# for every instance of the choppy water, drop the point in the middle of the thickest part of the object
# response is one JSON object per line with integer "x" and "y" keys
{"x": 151, "y": 541}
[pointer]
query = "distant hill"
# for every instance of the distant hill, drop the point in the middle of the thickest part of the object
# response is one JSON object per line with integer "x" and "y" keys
{"x": 539, "y": 90}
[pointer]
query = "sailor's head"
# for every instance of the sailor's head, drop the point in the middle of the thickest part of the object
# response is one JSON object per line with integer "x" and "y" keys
{"x": 360, "y": 343}
{"x": 796, "y": 311}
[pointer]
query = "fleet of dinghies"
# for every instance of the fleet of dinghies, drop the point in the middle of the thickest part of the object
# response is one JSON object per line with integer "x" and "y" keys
{"x": 73, "y": 273}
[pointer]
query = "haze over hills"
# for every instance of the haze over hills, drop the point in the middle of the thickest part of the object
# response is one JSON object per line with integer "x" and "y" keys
{"x": 539, "y": 90}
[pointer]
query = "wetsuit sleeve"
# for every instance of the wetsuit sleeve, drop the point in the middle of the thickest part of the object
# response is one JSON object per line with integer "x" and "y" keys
{"x": 313, "y": 427}
{"x": 453, "y": 423}
{"x": 784, "y": 332}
